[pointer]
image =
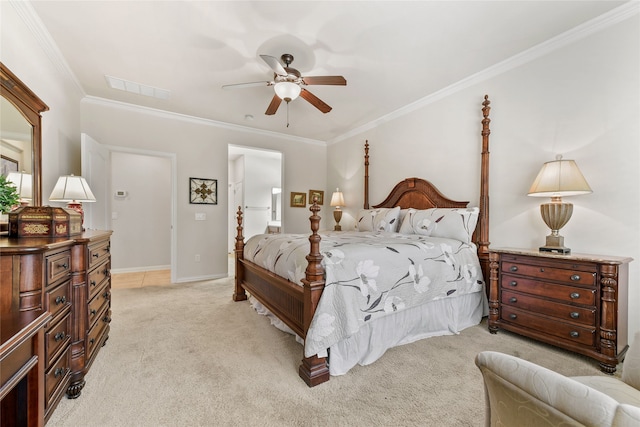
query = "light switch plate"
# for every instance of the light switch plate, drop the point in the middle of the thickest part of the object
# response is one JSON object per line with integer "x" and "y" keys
{"x": 201, "y": 216}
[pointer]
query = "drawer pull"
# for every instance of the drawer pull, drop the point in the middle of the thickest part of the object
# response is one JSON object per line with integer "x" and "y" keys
{"x": 61, "y": 300}
{"x": 64, "y": 265}
{"x": 96, "y": 255}
{"x": 93, "y": 312}
{"x": 59, "y": 336}
{"x": 513, "y": 316}
{"x": 574, "y": 315}
{"x": 513, "y": 299}
{"x": 513, "y": 283}
{"x": 106, "y": 295}
{"x": 574, "y": 334}
{"x": 541, "y": 270}
{"x": 106, "y": 319}
{"x": 574, "y": 295}
{"x": 91, "y": 341}
{"x": 60, "y": 371}
{"x": 513, "y": 268}
{"x": 93, "y": 283}
{"x": 575, "y": 277}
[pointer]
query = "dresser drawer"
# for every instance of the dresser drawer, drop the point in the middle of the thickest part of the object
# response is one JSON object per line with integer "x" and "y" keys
{"x": 571, "y": 313}
{"x": 572, "y": 273}
{"x": 56, "y": 378}
{"x": 94, "y": 337}
{"x": 97, "y": 278}
{"x": 58, "y": 266}
{"x": 97, "y": 304}
{"x": 58, "y": 300}
{"x": 565, "y": 293}
{"x": 98, "y": 253}
{"x": 550, "y": 326}
{"x": 57, "y": 339}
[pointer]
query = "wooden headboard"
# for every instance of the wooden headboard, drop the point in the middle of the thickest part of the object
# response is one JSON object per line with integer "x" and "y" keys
{"x": 418, "y": 194}
{"x": 421, "y": 194}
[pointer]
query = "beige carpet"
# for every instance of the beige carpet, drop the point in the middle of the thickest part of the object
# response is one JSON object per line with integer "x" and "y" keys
{"x": 187, "y": 355}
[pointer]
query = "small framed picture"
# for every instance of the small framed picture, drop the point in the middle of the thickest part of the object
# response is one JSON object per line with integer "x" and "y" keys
{"x": 203, "y": 191}
{"x": 316, "y": 193}
{"x": 298, "y": 200}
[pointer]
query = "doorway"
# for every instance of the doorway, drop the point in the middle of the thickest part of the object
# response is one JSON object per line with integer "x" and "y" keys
{"x": 254, "y": 176}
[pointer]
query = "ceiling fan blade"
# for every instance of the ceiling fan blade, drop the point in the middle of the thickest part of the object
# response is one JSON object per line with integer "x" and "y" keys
{"x": 315, "y": 101}
{"x": 273, "y": 106}
{"x": 250, "y": 84}
{"x": 325, "y": 80}
{"x": 275, "y": 65}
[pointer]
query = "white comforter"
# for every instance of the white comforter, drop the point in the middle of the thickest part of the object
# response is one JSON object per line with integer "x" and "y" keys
{"x": 369, "y": 275}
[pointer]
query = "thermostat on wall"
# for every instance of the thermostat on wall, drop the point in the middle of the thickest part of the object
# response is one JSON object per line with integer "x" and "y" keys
{"x": 120, "y": 194}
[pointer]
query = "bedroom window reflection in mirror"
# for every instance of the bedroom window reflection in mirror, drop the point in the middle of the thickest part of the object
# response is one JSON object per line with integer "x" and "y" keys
{"x": 276, "y": 203}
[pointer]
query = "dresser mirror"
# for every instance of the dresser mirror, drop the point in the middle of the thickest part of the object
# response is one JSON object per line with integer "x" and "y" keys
{"x": 21, "y": 131}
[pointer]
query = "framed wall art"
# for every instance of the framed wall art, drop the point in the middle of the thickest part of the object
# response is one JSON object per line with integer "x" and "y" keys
{"x": 316, "y": 193}
{"x": 298, "y": 200}
{"x": 203, "y": 191}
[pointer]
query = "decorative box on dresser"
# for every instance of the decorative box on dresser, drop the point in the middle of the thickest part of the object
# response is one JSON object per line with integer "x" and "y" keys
{"x": 577, "y": 302}
{"x": 68, "y": 277}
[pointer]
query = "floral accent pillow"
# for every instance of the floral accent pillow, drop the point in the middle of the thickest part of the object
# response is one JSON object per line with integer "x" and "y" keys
{"x": 381, "y": 219}
{"x": 453, "y": 223}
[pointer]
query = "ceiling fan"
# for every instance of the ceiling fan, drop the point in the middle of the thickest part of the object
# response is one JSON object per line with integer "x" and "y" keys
{"x": 288, "y": 84}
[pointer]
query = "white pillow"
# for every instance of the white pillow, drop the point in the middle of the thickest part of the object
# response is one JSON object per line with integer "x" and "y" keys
{"x": 453, "y": 223}
{"x": 381, "y": 219}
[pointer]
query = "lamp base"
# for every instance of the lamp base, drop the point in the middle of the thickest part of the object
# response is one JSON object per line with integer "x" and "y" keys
{"x": 555, "y": 244}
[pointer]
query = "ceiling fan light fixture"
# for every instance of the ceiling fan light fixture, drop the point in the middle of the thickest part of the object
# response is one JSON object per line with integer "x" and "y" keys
{"x": 287, "y": 91}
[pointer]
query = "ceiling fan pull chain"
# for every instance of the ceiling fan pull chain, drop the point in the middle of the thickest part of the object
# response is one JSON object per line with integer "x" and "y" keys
{"x": 287, "y": 113}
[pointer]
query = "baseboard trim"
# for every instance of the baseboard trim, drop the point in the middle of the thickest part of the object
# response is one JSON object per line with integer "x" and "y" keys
{"x": 140, "y": 269}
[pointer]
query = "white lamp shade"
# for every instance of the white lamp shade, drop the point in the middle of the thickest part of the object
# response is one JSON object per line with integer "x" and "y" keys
{"x": 72, "y": 188}
{"x": 337, "y": 199}
{"x": 559, "y": 178}
{"x": 287, "y": 91}
{"x": 24, "y": 184}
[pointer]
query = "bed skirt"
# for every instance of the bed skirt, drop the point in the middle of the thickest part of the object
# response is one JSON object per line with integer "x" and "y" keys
{"x": 447, "y": 316}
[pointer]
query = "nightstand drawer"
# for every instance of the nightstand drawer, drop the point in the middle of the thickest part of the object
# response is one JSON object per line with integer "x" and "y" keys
{"x": 577, "y": 274}
{"x": 564, "y": 293}
{"x": 550, "y": 326}
{"x": 571, "y": 313}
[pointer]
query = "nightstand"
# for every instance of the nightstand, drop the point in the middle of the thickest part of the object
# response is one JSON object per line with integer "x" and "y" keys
{"x": 577, "y": 302}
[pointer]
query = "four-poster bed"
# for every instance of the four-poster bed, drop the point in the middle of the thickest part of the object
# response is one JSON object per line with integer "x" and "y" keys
{"x": 295, "y": 305}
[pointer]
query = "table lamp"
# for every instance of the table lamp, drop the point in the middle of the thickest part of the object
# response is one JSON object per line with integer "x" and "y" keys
{"x": 74, "y": 190}
{"x": 556, "y": 179}
{"x": 337, "y": 200}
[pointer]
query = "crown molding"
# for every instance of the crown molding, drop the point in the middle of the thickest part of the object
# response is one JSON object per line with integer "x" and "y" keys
{"x": 33, "y": 22}
{"x": 196, "y": 120}
{"x": 579, "y": 32}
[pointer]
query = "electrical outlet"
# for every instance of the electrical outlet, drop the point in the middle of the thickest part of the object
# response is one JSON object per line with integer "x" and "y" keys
{"x": 197, "y": 257}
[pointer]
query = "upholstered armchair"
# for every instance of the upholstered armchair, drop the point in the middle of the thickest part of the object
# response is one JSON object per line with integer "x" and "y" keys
{"x": 520, "y": 393}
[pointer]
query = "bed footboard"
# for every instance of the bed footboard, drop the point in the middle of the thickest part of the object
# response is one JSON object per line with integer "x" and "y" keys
{"x": 295, "y": 305}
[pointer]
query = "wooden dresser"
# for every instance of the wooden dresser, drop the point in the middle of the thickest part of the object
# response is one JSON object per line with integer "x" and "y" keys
{"x": 576, "y": 302}
{"x": 68, "y": 277}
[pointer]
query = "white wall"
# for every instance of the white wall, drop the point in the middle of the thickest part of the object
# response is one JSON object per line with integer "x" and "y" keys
{"x": 141, "y": 221}
{"x": 581, "y": 101}
{"x": 23, "y": 54}
{"x": 261, "y": 175}
{"x": 200, "y": 147}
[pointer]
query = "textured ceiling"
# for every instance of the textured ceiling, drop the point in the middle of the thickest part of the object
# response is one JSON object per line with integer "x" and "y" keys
{"x": 391, "y": 53}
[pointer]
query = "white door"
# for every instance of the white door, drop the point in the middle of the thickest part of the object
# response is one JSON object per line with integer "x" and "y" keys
{"x": 96, "y": 169}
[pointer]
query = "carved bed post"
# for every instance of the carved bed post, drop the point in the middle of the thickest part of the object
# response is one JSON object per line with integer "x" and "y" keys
{"x": 313, "y": 370}
{"x": 366, "y": 174}
{"x": 239, "y": 294}
{"x": 482, "y": 238}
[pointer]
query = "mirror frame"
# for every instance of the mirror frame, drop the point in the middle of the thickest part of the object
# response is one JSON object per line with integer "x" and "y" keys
{"x": 17, "y": 93}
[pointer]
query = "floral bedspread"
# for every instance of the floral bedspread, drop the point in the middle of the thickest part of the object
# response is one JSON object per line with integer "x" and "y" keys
{"x": 369, "y": 275}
